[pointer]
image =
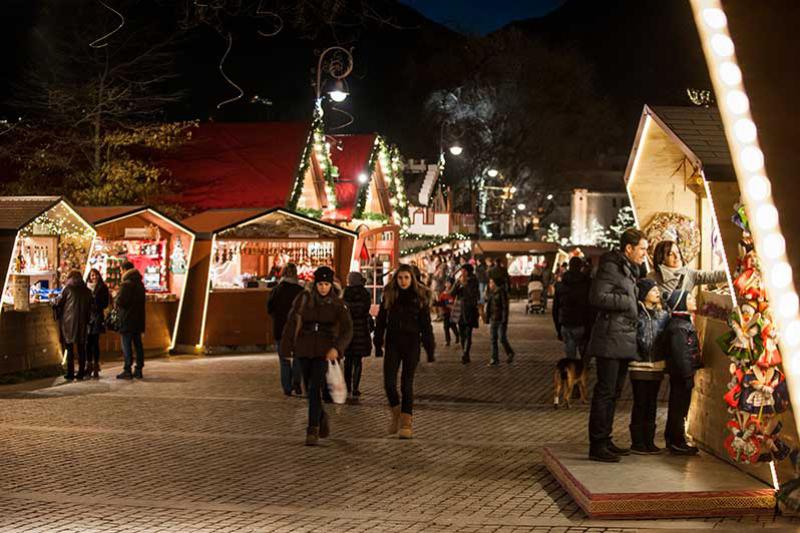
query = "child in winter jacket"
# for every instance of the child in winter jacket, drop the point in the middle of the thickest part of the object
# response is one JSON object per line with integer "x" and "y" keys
{"x": 683, "y": 359}
{"x": 647, "y": 371}
{"x": 445, "y": 304}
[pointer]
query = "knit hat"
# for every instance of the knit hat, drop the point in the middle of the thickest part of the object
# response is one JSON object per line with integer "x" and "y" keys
{"x": 645, "y": 285}
{"x": 323, "y": 273}
{"x": 355, "y": 279}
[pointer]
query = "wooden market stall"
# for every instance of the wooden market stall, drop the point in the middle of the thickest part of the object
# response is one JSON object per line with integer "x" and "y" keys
{"x": 371, "y": 200}
{"x": 237, "y": 259}
{"x": 160, "y": 248}
{"x": 681, "y": 183}
{"x": 42, "y": 238}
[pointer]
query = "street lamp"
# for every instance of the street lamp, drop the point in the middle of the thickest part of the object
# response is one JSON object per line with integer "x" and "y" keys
{"x": 513, "y": 190}
{"x": 492, "y": 173}
{"x": 456, "y": 149}
{"x": 549, "y": 196}
{"x": 339, "y": 67}
{"x": 520, "y": 207}
{"x": 362, "y": 178}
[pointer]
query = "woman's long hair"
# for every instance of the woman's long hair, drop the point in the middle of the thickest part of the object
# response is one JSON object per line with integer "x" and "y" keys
{"x": 662, "y": 251}
{"x": 100, "y": 280}
{"x": 392, "y": 291}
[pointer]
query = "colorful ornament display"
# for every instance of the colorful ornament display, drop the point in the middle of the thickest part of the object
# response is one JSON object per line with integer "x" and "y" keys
{"x": 757, "y": 393}
{"x": 674, "y": 227}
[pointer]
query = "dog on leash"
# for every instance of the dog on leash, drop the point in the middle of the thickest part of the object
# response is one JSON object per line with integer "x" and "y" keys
{"x": 567, "y": 374}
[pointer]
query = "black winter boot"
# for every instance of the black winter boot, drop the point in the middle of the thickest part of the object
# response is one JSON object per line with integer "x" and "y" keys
{"x": 638, "y": 441}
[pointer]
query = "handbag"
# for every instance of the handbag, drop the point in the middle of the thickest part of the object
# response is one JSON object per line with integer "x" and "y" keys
{"x": 336, "y": 384}
{"x": 114, "y": 320}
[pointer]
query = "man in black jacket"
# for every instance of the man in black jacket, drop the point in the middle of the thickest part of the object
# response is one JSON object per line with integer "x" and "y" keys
{"x": 613, "y": 340}
{"x": 279, "y": 304}
{"x": 468, "y": 292}
{"x": 130, "y": 304}
{"x": 571, "y": 309}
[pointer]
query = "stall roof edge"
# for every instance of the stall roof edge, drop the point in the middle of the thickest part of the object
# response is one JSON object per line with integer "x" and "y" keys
{"x": 213, "y": 221}
{"x": 16, "y": 212}
{"x": 99, "y": 216}
{"x": 699, "y": 129}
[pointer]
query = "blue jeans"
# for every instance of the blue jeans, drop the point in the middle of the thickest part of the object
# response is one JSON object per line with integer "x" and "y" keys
{"x": 129, "y": 342}
{"x": 290, "y": 372}
{"x": 573, "y": 341}
{"x": 482, "y": 288}
{"x": 499, "y": 332}
{"x": 314, "y": 371}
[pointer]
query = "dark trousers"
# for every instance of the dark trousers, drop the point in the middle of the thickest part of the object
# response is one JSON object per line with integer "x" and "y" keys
{"x": 610, "y": 380}
{"x": 500, "y": 333}
{"x": 680, "y": 396}
{"x": 643, "y": 414}
{"x": 93, "y": 349}
{"x": 131, "y": 341}
{"x": 448, "y": 326}
{"x": 290, "y": 372}
{"x": 352, "y": 373}
{"x": 392, "y": 362}
{"x": 465, "y": 336}
{"x": 71, "y": 349}
{"x": 313, "y": 371}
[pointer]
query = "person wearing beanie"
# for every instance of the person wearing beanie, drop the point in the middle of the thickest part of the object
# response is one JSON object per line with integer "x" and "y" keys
{"x": 682, "y": 347}
{"x": 279, "y": 304}
{"x": 647, "y": 372}
{"x": 358, "y": 301}
{"x": 318, "y": 330}
{"x": 403, "y": 324}
{"x": 467, "y": 294}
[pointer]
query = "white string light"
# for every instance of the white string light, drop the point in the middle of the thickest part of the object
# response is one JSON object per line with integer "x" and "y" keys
{"x": 754, "y": 184}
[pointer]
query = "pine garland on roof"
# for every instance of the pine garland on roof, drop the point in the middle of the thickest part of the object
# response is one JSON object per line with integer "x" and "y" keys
{"x": 316, "y": 146}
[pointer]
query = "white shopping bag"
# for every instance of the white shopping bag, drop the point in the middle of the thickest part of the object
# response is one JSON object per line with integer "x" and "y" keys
{"x": 336, "y": 385}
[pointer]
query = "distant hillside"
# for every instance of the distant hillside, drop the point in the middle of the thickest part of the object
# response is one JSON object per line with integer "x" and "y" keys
{"x": 644, "y": 51}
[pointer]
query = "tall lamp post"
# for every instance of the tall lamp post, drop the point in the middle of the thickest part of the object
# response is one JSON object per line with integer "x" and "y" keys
{"x": 338, "y": 67}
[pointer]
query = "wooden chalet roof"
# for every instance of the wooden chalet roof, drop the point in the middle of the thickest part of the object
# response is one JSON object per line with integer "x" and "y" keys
{"x": 94, "y": 215}
{"x": 17, "y": 212}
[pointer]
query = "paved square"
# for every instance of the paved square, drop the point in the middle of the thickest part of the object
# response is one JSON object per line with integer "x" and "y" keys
{"x": 211, "y": 444}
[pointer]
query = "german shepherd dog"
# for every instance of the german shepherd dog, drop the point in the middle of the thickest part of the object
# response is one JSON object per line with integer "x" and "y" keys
{"x": 566, "y": 375}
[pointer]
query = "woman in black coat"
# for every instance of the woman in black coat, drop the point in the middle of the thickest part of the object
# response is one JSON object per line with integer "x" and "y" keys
{"x": 404, "y": 322}
{"x": 73, "y": 308}
{"x": 358, "y": 302}
{"x": 468, "y": 293}
{"x": 97, "y": 319}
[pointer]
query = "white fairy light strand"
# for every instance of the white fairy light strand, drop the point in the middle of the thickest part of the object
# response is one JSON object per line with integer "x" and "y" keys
{"x": 101, "y": 42}
{"x": 754, "y": 183}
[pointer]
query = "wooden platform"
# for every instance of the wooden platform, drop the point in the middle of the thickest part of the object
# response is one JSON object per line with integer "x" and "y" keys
{"x": 660, "y": 486}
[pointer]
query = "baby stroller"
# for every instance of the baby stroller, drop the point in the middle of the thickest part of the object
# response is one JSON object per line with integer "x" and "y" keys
{"x": 536, "y": 302}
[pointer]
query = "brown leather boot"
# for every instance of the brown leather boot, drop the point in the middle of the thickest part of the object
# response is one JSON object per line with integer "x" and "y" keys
{"x": 312, "y": 436}
{"x": 405, "y": 426}
{"x": 394, "y": 425}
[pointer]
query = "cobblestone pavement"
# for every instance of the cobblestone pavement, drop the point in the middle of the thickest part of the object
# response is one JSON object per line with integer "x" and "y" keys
{"x": 211, "y": 444}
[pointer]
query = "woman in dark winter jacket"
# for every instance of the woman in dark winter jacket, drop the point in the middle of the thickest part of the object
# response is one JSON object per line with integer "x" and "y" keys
{"x": 682, "y": 348}
{"x": 647, "y": 372}
{"x": 318, "y": 330}
{"x": 404, "y": 322}
{"x": 467, "y": 292}
{"x": 97, "y": 321}
{"x": 73, "y": 309}
{"x": 358, "y": 303}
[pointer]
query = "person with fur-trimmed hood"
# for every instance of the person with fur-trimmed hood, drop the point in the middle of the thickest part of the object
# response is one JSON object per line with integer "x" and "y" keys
{"x": 318, "y": 330}
{"x": 403, "y": 324}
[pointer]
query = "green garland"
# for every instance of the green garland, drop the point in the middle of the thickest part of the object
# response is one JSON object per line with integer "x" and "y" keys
{"x": 432, "y": 242}
{"x": 311, "y": 213}
{"x": 315, "y": 137}
{"x": 394, "y": 178}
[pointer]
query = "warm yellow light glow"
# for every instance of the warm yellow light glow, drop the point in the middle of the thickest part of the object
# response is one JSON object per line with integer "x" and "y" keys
{"x": 791, "y": 335}
{"x": 722, "y": 45}
{"x": 781, "y": 275}
{"x": 730, "y": 74}
{"x": 766, "y": 217}
{"x": 774, "y": 245}
{"x": 737, "y": 102}
{"x": 752, "y": 158}
{"x": 758, "y": 187}
{"x": 745, "y": 130}
{"x": 192, "y": 238}
{"x": 635, "y": 167}
{"x": 788, "y": 305}
{"x": 714, "y": 17}
{"x": 207, "y": 292}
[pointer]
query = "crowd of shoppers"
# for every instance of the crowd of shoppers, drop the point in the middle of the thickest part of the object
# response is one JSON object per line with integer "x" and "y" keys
{"x": 80, "y": 310}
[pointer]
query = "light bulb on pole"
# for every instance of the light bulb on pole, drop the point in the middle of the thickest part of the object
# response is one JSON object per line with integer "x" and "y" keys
{"x": 338, "y": 92}
{"x": 520, "y": 207}
{"x": 492, "y": 173}
{"x": 456, "y": 149}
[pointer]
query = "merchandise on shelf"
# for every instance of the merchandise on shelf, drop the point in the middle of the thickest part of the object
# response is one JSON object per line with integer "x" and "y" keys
{"x": 148, "y": 256}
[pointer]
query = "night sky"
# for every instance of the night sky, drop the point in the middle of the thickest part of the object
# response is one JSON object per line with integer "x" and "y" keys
{"x": 481, "y": 16}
